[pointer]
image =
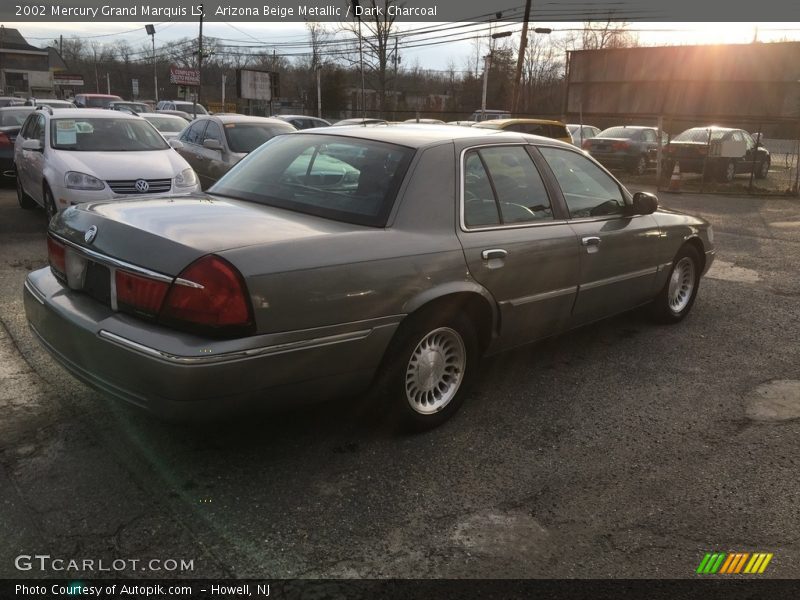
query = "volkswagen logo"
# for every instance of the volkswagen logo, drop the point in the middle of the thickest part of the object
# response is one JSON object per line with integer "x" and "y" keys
{"x": 90, "y": 234}
{"x": 142, "y": 186}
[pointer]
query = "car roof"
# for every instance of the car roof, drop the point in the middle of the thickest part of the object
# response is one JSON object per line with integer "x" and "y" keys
{"x": 161, "y": 114}
{"x": 298, "y": 117}
{"x": 632, "y": 127}
{"x": 520, "y": 122}
{"x": 99, "y": 95}
{"x": 237, "y": 118}
{"x": 93, "y": 113}
{"x": 715, "y": 128}
{"x": 419, "y": 136}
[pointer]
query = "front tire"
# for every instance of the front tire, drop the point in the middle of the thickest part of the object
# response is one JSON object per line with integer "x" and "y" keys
{"x": 677, "y": 297}
{"x": 428, "y": 369}
{"x": 763, "y": 169}
{"x": 49, "y": 203}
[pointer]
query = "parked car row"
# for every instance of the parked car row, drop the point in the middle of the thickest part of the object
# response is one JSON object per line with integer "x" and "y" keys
{"x": 328, "y": 261}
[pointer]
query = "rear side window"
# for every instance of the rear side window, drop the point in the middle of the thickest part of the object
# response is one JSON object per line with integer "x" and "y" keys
{"x": 502, "y": 186}
{"x": 587, "y": 189}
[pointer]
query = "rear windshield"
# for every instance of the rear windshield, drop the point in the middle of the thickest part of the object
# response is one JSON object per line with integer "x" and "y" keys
{"x": 339, "y": 178}
{"x": 94, "y": 102}
{"x": 619, "y": 132}
{"x": 189, "y": 108}
{"x": 105, "y": 135}
{"x": 699, "y": 134}
{"x": 246, "y": 137}
{"x": 168, "y": 124}
{"x": 10, "y": 117}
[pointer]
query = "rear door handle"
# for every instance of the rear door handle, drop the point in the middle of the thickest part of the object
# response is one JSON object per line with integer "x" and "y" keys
{"x": 493, "y": 253}
{"x": 591, "y": 241}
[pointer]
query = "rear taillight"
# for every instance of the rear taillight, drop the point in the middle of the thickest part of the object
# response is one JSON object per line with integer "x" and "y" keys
{"x": 210, "y": 296}
{"x": 138, "y": 294}
{"x": 586, "y": 145}
{"x": 5, "y": 141}
{"x": 620, "y": 145}
{"x": 56, "y": 255}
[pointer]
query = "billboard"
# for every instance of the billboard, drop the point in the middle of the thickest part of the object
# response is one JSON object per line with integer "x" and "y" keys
{"x": 184, "y": 76}
{"x": 709, "y": 81}
{"x": 255, "y": 85}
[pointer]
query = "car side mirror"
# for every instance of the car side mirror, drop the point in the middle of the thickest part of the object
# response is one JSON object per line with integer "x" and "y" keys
{"x": 34, "y": 145}
{"x": 644, "y": 203}
{"x": 176, "y": 144}
{"x": 212, "y": 144}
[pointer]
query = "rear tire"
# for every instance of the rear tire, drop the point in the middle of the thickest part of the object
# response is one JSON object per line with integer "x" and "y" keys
{"x": 677, "y": 297}
{"x": 428, "y": 369}
{"x": 727, "y": 172}
{"x": 25, "y": 201}
{"x": 639, "y": 165}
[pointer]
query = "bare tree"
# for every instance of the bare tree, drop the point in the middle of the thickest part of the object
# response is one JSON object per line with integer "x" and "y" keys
{"x": 609, "y": 34}
{"x": 378, "y": 45}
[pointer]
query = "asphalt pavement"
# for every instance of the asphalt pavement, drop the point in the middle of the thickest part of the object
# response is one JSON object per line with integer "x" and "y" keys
{"x": 624, "y": 449}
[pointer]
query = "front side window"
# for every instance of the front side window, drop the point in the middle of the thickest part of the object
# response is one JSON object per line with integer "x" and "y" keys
{"x": 105, "y": 135}
{"x": 344, "y": 179}
{"x": 194, "y": 135}
{"x": 213, "y": 132}
{"x": 588, "y": 190}
{"x": 503, "y": 186}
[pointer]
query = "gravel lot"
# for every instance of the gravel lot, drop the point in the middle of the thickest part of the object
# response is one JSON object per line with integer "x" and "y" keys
{"x": 621, "y": 450}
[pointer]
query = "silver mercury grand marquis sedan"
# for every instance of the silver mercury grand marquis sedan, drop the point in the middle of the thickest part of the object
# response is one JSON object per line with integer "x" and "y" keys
{"x": 333, "y": 260}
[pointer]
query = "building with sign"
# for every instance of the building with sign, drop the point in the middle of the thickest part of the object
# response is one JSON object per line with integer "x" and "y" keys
{"x": 26, "y": 70}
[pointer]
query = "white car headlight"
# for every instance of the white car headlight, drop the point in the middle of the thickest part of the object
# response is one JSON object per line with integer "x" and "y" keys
{"x": 81, "y": 181}
{"x": 186, "y": 178}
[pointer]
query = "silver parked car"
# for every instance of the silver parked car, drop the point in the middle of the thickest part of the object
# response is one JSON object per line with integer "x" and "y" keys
{"x": 333, "y": 260}
{"x": 212, "y": 144}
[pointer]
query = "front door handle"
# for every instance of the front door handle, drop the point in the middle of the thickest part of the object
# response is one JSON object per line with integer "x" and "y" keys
{"x": 591, "y": 241}
{"x": 493, "y": 253}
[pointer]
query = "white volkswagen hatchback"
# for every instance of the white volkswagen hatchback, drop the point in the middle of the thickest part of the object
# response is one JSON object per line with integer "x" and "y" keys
{"x": 71, "y": 156}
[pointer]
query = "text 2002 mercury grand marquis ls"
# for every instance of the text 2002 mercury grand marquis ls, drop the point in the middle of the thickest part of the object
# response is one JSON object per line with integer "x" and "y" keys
{"x": 330, "y": 261}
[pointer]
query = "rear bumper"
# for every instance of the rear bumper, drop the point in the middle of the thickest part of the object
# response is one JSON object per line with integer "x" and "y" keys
{"x": 177, "y": 375}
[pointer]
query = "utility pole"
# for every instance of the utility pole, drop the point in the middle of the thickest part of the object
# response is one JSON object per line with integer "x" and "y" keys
{"x": 199, "y": 63}
{"x": 319, "y": 91}
{"x": 361, "y": 63}
{"x": 151, "y": 31}
{"x": 108, "y": 83}
{"x": 394, "y": 82}
{"x": 523, "y": 42}
{"x": 487, "y": 60}
{"x": 224, "y": 78}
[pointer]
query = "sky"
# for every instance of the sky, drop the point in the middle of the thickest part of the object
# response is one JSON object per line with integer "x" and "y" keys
{"x": 458, "y": 53}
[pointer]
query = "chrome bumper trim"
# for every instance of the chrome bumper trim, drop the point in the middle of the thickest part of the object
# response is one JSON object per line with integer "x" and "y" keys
{"x": 632, "y": 275}
{"x": 239, "y": 355}
{"x": 37, "y": 295}
{"x": 543, "y": 296}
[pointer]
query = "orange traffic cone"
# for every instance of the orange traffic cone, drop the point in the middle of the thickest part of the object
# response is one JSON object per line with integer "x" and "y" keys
{"x": 675, "y": 180}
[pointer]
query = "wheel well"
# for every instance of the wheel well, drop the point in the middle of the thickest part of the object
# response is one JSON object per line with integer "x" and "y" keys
{"x": 701, "y": 251}
{"x": 473, "y": 305}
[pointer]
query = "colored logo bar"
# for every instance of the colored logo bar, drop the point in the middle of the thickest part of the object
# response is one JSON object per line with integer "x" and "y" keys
{"x": 734, "y": 563}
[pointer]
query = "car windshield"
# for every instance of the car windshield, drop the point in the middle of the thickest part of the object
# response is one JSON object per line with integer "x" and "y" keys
{"x": 700, "y": 134}
{"x": 246, "y": 137}
{"x": 339, "y": 178}
{"x": 14, "y": 116}
{"x": 619, "y": 132}
{"x": 95, "y": 102}
{"x": 168, "y": 124}
{"x": 189, "y": 108}
{"x": 105, "y": 135}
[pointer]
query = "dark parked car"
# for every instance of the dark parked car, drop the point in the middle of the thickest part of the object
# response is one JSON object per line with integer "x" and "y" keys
{"x": 298, "y": 278}
{"x": 719, "y": 152}
{"x": 630, "y": 147}
{"x": 303, "y": 122}
{"x": 11, "y": 120}
{"x": 212, "y": 144}
{"x": 130, "y": 106}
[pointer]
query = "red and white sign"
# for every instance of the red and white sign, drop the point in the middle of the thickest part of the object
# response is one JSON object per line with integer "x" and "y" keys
{"x": 69, "y": 79}
{"x": 184, "y": 76}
